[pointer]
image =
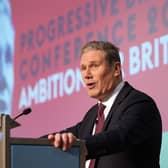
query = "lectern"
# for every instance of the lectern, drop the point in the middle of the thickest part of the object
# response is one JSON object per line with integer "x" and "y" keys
{"x": 18, "y": 152}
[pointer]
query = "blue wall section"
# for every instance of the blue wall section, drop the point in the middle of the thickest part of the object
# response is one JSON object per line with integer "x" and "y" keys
{"x": 164, "y": 151}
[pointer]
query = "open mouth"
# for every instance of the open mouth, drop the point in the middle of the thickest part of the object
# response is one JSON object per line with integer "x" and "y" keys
{"x": 91, "y": 85}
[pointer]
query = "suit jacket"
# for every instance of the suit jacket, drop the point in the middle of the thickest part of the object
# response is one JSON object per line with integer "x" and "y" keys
{"x": 131, "y": 136}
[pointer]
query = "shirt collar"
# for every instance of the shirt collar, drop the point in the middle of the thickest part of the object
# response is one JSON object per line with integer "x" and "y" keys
{"x": 114, "y": 94}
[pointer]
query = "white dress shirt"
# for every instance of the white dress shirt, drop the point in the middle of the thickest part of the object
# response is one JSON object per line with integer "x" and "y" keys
{"x": 108, "y": 103}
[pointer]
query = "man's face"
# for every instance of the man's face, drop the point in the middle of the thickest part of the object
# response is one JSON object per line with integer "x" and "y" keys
{"x": 100, "y": 78}
{"x": 6, "y": 63}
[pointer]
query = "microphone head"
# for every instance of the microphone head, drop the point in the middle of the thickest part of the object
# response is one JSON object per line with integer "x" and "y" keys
{"x": 27, "y": 111}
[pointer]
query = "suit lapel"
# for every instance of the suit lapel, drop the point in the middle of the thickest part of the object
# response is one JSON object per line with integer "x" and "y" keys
{"x": 92, "y": 115}
{"x": 119, "y": 99}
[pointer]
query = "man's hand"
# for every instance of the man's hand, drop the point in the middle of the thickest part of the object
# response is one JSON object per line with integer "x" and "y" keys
{"x": 63, "y": 140}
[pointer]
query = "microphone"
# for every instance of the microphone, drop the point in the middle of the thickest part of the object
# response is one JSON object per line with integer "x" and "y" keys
{"x": 24, "y": 112}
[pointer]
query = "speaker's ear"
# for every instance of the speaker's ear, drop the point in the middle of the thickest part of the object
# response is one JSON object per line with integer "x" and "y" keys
{"x": 117, "y": 68}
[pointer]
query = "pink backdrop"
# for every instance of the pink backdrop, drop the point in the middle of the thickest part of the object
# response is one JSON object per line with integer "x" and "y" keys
{"x": 48, "y": 37}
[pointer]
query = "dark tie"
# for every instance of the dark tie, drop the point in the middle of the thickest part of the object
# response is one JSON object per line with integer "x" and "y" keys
{"x": 99, "y": 126}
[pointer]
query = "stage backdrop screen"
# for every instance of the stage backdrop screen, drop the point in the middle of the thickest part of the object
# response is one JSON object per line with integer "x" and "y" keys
{"x": 41, "y": 59}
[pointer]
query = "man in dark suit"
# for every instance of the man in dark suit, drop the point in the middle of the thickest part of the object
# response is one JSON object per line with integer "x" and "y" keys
{"x": 131, "y": 133}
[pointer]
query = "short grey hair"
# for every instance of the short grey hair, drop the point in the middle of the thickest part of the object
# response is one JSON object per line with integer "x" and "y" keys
{"x": 111, "y": 51}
